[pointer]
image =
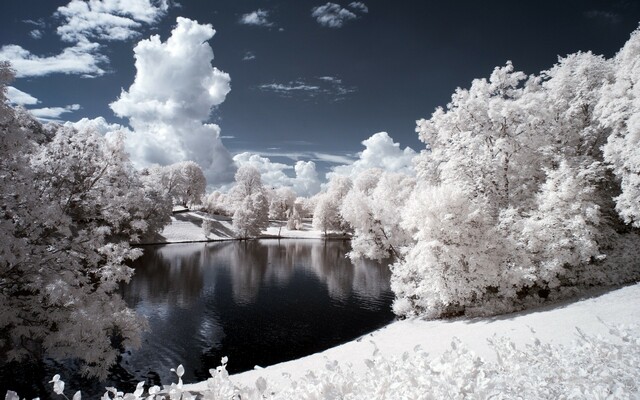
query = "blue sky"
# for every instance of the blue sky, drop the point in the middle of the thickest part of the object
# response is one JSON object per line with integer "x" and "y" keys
{"x": 309, "y": 80}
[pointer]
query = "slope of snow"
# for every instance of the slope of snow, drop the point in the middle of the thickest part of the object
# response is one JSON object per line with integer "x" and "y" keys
{"x": 186, "y": 227}
{"x": 556, "y": 324}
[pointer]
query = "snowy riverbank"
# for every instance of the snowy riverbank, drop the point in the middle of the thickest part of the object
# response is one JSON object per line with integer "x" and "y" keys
{"x": 557, "y": 324}
{"x": 186, "y": 227}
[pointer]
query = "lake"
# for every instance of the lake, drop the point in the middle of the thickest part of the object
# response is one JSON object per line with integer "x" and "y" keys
{"x": 257, "y": 302}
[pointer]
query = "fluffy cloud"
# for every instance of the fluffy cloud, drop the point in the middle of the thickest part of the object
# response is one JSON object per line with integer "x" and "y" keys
{"x": 380, "y": 152}
{"x": 83, "y": 22}
{"x": 107, "y": 19}
{"x": 305, "y": 182}
{"x": 82, "y": 58}
{"x": 99, "y": 125}
{"x": 19, "y": 97}
{"x": 171, "y": 99}
{"x": 332, "y": 15}
{"x": 256, "y": 18}
{"x": 53, "y": 113}
{"x": 359, "y": 6}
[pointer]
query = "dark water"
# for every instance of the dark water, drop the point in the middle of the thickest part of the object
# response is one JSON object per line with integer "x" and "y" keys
{"x": 256, "y": 302}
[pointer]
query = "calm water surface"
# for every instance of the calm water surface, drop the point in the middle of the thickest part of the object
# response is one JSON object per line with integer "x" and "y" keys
{"x": 257, "y": 302}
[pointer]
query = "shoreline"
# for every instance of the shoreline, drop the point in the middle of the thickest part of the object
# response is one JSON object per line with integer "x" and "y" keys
{"x": 557, "y": 323}
{"x": 185, "y": 227}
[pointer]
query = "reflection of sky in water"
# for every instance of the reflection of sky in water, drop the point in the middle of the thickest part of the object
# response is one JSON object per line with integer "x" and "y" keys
{"x": 258, "y": 302}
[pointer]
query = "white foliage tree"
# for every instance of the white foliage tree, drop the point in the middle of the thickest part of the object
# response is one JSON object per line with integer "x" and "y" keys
{"x": 326, "y": 215}
{"x": 563, "y": 232}
{"x": 371, "y": 208}
{"x": 457, "y": 260}
{"x": 68, "y": 211}
{"x": 294, "y": 222}
{"x": 183, "y": 181}
{"x": 281, "y": 203}
{"x": 532, "y": 209}
{"x": 250, "y": 202}
{"x": 619, "y": 110}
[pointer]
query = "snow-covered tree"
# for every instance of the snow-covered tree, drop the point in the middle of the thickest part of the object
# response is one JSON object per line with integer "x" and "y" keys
{"x": 68, "y": 210}
{"x": 281, "y": 203}
{"x": 532, "y": 208}
{"x": 371, "y": 208}
{"x": 619, "y": 110}
{"x": 184, "y": 182}
{"x": 249, "y": 199}
{"x": 326, "y": 215}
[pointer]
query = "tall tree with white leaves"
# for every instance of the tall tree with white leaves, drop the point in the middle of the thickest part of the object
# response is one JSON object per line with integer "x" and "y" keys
{"x": 250, "y": 202}
{"x": 619, "y": 110}
{"x": 326, "y": 215}
{"x": 68, "y": 210}
{"x": 371, "y": 208}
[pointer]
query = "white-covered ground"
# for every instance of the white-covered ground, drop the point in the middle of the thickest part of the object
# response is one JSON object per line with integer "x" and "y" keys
{"x": 186, "y": 227}
{"x": 556, "y": 324}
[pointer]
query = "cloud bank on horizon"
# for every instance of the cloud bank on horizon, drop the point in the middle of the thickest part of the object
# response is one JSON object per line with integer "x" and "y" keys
{"x": 380, "y": 151}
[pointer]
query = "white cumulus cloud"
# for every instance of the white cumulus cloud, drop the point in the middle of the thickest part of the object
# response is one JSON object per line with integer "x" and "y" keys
{"x": 53, "y": 113}
{"x": 170, "y": 101}
{"x": 380, "y": 152}
{"x": 332, "y": 15}
{"x": 303, "y": 177}
{"x": 82, "y": 58}
{"x": 19, "y": 97}
{"x": 107, "y": 19}
{"x": 81, "y": 23}
{"x": 98, "y": 124}
{"x": 257, "y": 18}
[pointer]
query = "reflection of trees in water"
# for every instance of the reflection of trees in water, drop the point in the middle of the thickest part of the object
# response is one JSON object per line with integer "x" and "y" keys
{"x": 174, "y": 274}
{"x": 170, "y": 275}
{"x": 175, "y": 286}
{"x": 284, "y": 257}
{"x": 331, "y": 266}
{"x": 371, "y": 279}
{"x": 248, "y": 269}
